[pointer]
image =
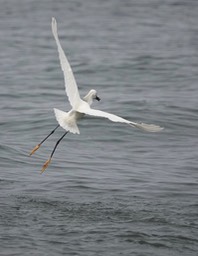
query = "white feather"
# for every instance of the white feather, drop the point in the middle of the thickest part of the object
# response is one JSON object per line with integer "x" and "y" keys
{"x": 70, "y": 83}
{"x": 66, "y": 120}
{"x": 114, "y": 118}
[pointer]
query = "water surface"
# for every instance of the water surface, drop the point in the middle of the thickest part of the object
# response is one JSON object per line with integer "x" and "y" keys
{"x": 113, "y": 190}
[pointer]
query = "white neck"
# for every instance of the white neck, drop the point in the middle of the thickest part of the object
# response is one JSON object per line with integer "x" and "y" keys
{"x": 89, "y": 98}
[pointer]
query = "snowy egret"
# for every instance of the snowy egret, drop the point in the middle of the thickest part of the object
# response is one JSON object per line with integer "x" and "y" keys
{"x": 80, "y": 107}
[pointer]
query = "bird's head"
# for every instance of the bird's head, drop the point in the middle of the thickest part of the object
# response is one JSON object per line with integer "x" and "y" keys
{"x": 92, "y": 95}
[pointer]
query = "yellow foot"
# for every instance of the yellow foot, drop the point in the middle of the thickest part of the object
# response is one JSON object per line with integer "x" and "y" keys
{"x": 45, "y": 165}
{"x": 35, "y": 149}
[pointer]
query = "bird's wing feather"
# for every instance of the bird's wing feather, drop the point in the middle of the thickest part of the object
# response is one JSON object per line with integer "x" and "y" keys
{"x": 112, "y": 117}
{"x": 146, "y": 127}
{"x": 70, "y": 83}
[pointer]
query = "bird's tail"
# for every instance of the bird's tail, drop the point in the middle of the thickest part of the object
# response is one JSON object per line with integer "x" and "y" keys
{"x": 65, "y": 121}
{"x": 148, "y": 127}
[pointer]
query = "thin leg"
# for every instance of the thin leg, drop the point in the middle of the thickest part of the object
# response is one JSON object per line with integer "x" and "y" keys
{"x": 38, "y": 146}
{"x": 49, "y": 160}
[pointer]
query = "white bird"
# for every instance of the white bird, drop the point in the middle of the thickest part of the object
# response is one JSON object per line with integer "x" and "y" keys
{"x": 80, "y": 107}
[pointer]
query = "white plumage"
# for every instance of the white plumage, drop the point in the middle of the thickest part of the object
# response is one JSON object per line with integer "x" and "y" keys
{"x": 68, "y": 121}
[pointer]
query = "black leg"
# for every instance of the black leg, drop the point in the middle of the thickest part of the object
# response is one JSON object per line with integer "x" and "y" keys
{"x": 49, "y": 134}
{"x": 49, "y": 160}
{"x": 57, "y": 144}
{"x": 38, "y": 146}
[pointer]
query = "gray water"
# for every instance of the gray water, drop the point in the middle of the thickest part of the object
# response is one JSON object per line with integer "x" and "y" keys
{"x": 112, "y": 190}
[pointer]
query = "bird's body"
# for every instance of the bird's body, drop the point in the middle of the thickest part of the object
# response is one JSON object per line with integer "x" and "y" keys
{"x": 81, "y": 107}
{"x": 68, "y": 120}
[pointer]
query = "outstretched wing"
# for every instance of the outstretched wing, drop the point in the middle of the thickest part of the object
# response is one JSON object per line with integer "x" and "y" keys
{"x": 70, "y": 83}
{"x": 114, "y": 118}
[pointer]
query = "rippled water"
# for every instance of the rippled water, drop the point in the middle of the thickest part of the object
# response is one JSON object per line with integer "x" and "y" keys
{"x": 113, "y": 190}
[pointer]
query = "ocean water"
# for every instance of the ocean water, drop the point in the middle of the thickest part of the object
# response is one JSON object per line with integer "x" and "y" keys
{"x": 112, "y": 190}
